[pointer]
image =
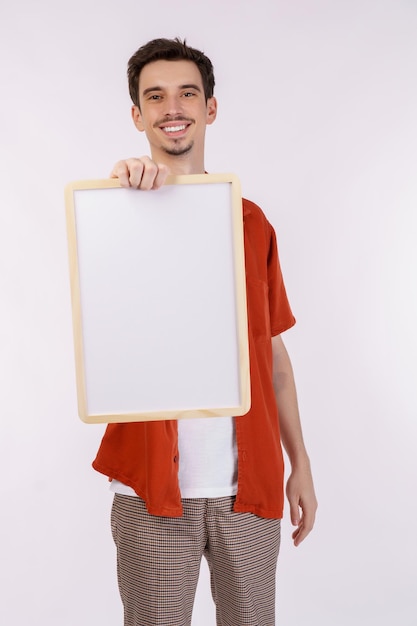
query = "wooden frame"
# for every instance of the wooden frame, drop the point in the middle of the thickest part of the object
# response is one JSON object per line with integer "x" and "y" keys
{"x": 158, "y": 299}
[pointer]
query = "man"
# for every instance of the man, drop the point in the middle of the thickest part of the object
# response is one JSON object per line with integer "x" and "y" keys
{"x": 211, "y": 486}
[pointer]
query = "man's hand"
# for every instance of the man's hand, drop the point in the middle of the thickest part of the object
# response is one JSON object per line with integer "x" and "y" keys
{"x": 142, "y": 173}
{"x": 301, "y": 496}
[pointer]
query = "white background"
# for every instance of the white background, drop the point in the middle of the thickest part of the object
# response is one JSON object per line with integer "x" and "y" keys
{"x": 317, "y": 117}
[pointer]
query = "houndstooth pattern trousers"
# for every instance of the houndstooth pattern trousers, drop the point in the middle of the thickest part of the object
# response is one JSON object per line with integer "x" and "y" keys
{"x": 158, "y": 562}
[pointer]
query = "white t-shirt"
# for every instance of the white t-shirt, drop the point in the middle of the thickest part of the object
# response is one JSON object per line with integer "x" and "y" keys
{"x": 207, "y": 459}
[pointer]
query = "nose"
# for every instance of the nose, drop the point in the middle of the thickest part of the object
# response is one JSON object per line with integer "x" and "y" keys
{"x": 173, "y": 105}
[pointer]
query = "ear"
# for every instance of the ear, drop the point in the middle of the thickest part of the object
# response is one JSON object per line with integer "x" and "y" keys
{"x": 211, "y": 110}
{"x": 137, "y": 118}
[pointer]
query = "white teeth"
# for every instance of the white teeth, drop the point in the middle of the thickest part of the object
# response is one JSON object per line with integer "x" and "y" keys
{"x": 174, "y": 129}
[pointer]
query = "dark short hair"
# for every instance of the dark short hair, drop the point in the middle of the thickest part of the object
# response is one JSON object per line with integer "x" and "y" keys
{"x": 168, "y": 50}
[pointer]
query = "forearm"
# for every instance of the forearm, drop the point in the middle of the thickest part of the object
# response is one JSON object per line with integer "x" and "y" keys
{"x": 286, "y": 397}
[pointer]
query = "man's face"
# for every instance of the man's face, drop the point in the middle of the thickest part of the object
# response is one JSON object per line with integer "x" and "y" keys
{"x": 173, "y": 110}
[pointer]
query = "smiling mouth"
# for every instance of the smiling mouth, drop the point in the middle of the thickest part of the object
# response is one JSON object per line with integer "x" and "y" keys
{"x": 174, "y": 129}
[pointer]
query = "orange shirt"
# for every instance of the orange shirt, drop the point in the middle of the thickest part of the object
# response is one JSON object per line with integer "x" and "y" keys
{"x": 144, "y": 455}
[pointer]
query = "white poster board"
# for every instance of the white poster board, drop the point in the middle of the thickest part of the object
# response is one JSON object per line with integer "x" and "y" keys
{"x": 158, "y": 299}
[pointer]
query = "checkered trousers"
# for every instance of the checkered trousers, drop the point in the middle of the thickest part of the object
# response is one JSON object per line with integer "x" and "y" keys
{"x": 158, "y": 562}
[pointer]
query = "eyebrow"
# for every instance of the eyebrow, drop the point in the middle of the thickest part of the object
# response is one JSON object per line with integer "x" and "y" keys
{"x": 157, "y": 88}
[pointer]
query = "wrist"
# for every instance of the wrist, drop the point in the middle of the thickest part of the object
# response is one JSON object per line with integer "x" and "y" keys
{"x": 299, "y": 459}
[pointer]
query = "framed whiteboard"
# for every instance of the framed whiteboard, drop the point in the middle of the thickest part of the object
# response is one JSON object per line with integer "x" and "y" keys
{"x": 158, "y": 299}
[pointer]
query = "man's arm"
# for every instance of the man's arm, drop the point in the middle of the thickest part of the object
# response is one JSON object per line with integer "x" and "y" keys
{"x": 300, "y": 488}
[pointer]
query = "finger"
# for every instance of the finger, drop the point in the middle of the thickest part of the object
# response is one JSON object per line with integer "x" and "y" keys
{"x": 121, "y": 171}
{"x": 300, "y": 534}
{"x": 136, "y": 168}
{"x": 304, "y": 527}
{"x": 163, "y": 172}
{"x": 149, "y": 173}
{"x": 294, "y": 512}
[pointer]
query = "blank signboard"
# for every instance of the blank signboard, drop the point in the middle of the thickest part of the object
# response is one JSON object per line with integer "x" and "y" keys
{"x": 158, "y": 299}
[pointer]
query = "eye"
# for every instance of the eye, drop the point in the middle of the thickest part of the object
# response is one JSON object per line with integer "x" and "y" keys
{"x": 188, "y": 94}
{"x": 153, "y": 97}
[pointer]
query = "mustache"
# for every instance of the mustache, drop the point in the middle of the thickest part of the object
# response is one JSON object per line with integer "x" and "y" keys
{"x": 173, "y": 118}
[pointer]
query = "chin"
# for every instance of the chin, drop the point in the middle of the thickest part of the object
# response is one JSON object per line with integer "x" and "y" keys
{"x": 178, "y": 150}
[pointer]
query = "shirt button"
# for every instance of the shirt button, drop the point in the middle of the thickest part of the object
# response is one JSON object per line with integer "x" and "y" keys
{"x": 175, "y": 459}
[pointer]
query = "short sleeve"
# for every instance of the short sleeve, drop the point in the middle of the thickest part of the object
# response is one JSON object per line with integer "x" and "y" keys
{"x": 281, "y": 316}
